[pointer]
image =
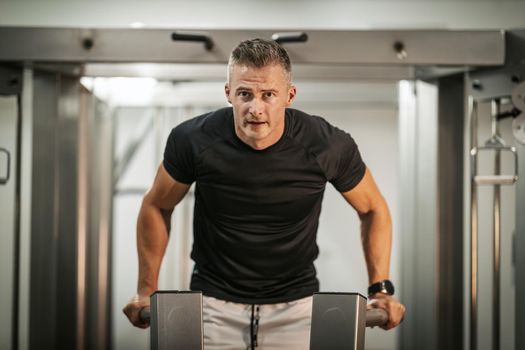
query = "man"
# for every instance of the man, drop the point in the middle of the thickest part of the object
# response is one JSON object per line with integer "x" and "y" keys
{"x": 260, "y": 171}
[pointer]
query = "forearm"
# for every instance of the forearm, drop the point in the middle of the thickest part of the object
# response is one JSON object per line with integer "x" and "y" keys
{"x": 376, "y": 235}
{"x": 152, "y": 239}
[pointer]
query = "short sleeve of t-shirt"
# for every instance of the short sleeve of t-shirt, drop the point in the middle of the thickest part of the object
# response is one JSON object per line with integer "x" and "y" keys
{"x": 347, "y": 168}
{"x": 179, "y": 155}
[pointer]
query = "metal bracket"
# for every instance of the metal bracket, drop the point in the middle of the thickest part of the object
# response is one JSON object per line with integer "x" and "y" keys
{"x": 292, "y": 37}
{"x": 518, "y": 124}
{"x": 10, "y": 80}
{"x": 5, "y": 179}
{"x": 518, "y": 128}
{"x": 194, "y": 37}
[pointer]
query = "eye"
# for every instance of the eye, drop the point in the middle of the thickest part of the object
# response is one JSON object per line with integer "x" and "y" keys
{"x": 269, "y": 94}
{"x": 243, "y": 94}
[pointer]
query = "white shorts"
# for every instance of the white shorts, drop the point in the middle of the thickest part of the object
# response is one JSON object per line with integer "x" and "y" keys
{"x": 233, "y": 326}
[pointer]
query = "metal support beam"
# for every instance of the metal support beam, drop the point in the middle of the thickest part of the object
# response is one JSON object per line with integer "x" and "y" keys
{"x": 519, "y": 251}
{"x": 419, "y": 144}
{"x": 451, "y": 107}
{"x": 53, "y": 301}
{"x": 378, "y": 47}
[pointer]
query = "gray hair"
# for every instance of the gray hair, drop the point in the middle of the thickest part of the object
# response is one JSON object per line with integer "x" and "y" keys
{"x": 259, "y": 53}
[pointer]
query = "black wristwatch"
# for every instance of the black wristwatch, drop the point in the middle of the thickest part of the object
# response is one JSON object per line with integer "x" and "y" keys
{"x": 384, "y": 286}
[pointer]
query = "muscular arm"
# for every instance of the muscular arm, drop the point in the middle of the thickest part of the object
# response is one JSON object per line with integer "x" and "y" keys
{"x": 376, "y": 226}
{"x": 153, "y": 226}
{"x": 376, "y": 236}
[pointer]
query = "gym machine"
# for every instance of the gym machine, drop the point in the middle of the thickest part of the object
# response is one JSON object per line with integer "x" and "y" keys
{"x": 338, "y": 321}
{"x": 497, "y": 146}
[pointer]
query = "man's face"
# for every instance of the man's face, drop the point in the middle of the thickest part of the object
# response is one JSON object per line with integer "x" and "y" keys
{"x": 259, "y": 97}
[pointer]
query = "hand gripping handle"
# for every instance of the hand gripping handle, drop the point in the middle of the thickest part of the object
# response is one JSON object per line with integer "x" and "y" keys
{"x": 376, "y": 317}
{"x": 145, "y": 314}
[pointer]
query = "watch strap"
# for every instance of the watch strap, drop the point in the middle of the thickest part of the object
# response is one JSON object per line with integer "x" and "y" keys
{"x": 384, "y": 286}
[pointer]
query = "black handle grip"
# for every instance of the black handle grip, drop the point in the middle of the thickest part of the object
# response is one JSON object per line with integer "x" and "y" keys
{"x": 376, "y": 317}
{"x": 4, "y": 180}
{"x": 292, "y": 37}
{"x": 145, "y": 314}
{"x": 208, "y": 42}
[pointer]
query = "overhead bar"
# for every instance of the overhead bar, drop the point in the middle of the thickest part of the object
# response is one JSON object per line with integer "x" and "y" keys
{"x": 374, "y": 47}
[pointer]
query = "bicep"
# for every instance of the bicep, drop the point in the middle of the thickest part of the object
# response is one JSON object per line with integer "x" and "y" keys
{"x": 364, "y": 197}
{"x": 166, "y": 192}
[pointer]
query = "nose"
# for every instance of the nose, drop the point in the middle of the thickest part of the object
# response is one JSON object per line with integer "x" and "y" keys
{"x": 256, "y": 107}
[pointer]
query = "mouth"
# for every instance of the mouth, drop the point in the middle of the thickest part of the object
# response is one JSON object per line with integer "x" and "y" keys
{"x": 254, "y": 123}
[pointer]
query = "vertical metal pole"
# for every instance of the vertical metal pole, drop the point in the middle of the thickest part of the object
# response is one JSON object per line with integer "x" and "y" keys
{"x": 26, "y": 171}
{"x": 473, "y": 228}
{"x": 497, "y": 230}
{"x": 519, "y": 252}
{"x": 82, "y": 214}
{"x": 103, "y": 140}
{"x": 16, "y": 279}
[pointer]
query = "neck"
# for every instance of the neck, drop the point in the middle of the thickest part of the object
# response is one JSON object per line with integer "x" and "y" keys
{"x": 260, "y": 144}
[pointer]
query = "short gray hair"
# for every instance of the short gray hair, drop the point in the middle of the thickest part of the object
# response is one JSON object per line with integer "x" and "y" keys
{"x": 260, "y": 53}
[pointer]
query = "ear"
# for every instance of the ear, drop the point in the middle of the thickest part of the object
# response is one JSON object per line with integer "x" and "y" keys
{"x": 292, "y": 91}
{"x": 227, "y": 92}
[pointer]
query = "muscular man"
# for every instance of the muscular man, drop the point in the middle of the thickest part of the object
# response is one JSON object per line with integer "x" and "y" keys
{"x": 260, "y": 170}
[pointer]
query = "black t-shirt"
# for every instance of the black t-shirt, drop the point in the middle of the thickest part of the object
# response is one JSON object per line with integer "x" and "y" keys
{"x": 257, "y": 211}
